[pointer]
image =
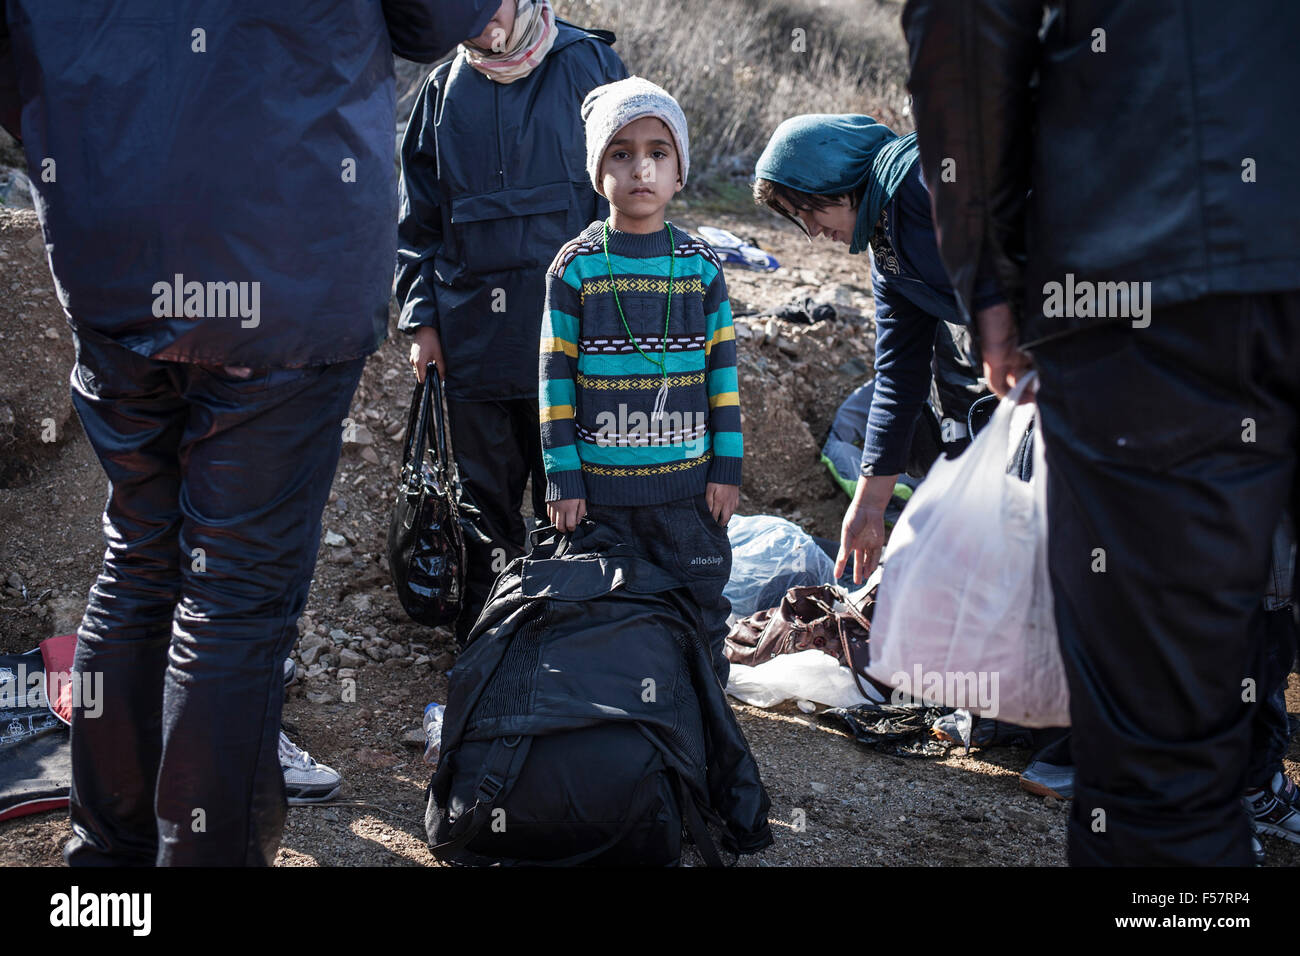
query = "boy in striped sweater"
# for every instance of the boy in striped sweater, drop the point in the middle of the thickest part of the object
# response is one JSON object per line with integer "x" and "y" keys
{"x": 640, "y": 413}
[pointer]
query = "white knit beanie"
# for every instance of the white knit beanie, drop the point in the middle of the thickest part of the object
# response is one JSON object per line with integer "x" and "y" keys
{"x": 607, "y": 109}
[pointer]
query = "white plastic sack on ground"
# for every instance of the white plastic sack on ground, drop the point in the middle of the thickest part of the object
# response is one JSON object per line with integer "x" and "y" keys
{"x": 806, "y": 675}
{"x": 964, "y": 613}
{"x": 770, "y": 555}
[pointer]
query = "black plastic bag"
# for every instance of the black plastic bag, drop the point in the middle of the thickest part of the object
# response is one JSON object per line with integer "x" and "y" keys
{"x": 426, "y": 546}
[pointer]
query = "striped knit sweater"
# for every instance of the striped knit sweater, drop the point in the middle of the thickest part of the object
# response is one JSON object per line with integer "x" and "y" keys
{"x": 600, "y": 440}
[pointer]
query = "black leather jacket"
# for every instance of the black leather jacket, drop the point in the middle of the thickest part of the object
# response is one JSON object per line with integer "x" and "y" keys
{"x": 1150, "y": 141}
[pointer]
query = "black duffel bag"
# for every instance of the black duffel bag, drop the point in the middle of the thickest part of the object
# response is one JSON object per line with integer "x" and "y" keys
{"x": 426, "y": 546}
{"x": 585, "y": 725}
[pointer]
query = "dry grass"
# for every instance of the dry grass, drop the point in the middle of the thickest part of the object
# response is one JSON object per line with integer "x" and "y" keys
{"x": 738, "y": 68}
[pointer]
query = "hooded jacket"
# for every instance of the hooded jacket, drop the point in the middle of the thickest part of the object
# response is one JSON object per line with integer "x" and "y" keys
{"x": 215, "y": 177}
{"x": 494, "y": 181}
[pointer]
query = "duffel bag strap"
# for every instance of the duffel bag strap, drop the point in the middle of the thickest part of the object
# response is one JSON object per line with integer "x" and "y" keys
{"x": 696, "y": 826}
{"x": 504, "y": 759}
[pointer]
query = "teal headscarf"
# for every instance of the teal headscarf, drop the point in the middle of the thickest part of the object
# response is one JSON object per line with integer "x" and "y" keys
{"x": 828, "y": 153}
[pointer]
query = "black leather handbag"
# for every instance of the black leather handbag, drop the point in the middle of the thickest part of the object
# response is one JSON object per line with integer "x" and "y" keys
{"x": 426, "y": 547}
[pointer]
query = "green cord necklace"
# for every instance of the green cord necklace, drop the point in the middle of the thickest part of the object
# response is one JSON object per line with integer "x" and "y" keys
{"x": 661, "y": 398}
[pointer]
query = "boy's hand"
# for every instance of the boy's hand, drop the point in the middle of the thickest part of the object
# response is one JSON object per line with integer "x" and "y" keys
{"x": 566, "y": 513}
{"x": 722, "y": 501}
{"x": 426, "y": 348}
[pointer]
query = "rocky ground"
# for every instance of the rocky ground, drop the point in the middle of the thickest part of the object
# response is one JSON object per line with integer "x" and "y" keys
{"x": 858, "y": 806}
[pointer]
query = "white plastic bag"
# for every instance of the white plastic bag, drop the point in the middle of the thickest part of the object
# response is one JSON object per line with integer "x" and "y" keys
{"x": 770, "y": 555}
{"x": 964, "y": 613}
{"x": 804, "y": 675}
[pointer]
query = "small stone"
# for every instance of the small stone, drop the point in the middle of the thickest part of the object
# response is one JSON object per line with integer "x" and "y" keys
{"x": 818, "y": 788}
{"x": 347, "y": 673}
{"x": 319, "y": 697}
{"x": 375, "y": 653}
{"x": 334, "y": 539}
{"x": 15, "y": 581}
{"x": 368, "y": 455}
{"x": 376, "y": 760}
{"x": 361, "y": 435}
{"x": 350, "y": 658}
{"x": 51, "y": 333}
{"x": 397, "y": 650}
{"x": 414, "y": 737}
{"x": 393, "y": 663}
{"x": 340, "y": 636}
{"x": 315, "y": 670}
{"x": 310, "y": 654}
{"x": 421, "y": 660}
{"x": 1051, "y": 802}
{"x": 341, "y": 556}
{"x": 370, "y": 631}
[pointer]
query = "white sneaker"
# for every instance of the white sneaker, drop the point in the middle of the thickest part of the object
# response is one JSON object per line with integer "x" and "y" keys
{"x": 305, "y": 780}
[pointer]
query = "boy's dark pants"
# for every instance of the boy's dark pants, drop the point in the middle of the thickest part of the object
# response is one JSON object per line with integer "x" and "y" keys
{"x": 497, "y": 447}
{"x": 684, "y": 539}
{"x": 1173, "y": 449}
{"x": 217, "y": 484}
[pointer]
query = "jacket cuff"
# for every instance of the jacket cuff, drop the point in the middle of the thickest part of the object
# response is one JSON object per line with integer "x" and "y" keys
{"x": 408, "y": 321}
{"x": 724, "y": 470}
{"x": 565, "y": 484}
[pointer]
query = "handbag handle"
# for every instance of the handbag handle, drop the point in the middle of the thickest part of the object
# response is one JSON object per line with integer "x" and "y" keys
{"x": 426, "y": 404}
{"x": 434, "y": 381}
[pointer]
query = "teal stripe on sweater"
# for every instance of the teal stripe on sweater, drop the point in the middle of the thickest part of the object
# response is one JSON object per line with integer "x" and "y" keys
{"x": 630, "y": 363}
{"x": 644, "y": 455}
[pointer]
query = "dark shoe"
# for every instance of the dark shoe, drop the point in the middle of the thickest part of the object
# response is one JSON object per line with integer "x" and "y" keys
{"x": 1276, "y": 810}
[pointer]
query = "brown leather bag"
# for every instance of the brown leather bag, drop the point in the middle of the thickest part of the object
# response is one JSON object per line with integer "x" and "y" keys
{"x": 806, "y": 618}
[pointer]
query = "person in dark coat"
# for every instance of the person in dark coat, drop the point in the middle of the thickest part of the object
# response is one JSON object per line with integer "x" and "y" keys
{"x": 493, "y": 183}
{"x": 216, "y": 187}
{"x": 1121, "y": 170}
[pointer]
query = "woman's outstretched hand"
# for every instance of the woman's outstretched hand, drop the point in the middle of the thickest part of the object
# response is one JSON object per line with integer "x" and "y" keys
{"x": 862, "y": 535}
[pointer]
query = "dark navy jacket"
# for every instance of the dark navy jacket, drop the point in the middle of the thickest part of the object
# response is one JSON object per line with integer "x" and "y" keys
{"x": 494, "y": 181}
{"x": 914, "y": 300}
{"x": 245, "y": 146}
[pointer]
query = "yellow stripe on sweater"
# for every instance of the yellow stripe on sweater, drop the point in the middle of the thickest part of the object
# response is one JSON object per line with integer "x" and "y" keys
{"x": 553, "y": 412}
{"x": 725, "y": 334}
{"x": 560, "y": 345}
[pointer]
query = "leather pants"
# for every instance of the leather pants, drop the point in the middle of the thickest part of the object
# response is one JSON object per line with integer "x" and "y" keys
{"x": 217, "y": 478}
